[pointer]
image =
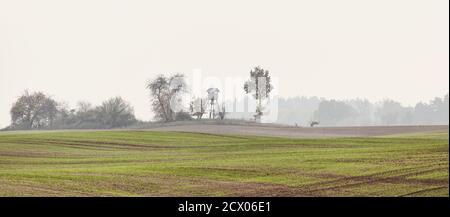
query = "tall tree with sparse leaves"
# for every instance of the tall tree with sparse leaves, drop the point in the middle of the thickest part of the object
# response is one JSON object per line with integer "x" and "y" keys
{"x": 165, "y": 95}
{"x": 259, "y": 85}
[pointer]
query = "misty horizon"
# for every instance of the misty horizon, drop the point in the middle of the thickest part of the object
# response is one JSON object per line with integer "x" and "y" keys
{"x": 204, "y": 102}
{"x": 94, "y": 50}
{"x": 301, "y": 114}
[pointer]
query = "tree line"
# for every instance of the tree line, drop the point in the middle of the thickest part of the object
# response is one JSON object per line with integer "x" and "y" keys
{"x": 37, "y": 110}
{"x": 359, "y": 112}
{"x": 166, "y": 92}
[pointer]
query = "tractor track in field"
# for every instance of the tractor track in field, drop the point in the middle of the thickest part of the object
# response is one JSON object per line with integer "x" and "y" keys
{"x": 98, "y": 145}
{"x": 355, "y": 181}
{"x": 417, "y": 174}
{"x": 423, "y": 191}
{"x": 298, "y": 132}
{"x": 46, "y": 190}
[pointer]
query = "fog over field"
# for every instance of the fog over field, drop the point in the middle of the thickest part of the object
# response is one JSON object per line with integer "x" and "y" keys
{"x": 224, "y": 98}
{"x": 344, "y": 50}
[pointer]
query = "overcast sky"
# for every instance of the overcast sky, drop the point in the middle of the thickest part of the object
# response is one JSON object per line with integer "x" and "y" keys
{"x": 91, "y": 49}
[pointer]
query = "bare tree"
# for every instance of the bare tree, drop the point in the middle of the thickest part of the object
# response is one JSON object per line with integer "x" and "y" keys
{"x": 84, "y": 106}
{"x": 116, "y": 112}
{"x": 222, "y": 112}
{"x": 259, "y": 85}
{"x": 213, "y": 96}
{"x": 197, "y": 107}
{"x": 35, "y": 110}
{"x": 165, "y": 93}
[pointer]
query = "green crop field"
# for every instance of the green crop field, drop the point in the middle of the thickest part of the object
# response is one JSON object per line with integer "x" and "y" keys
{"x": 140, "y": 163}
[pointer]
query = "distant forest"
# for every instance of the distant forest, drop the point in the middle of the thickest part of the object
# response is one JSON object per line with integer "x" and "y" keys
{"x": 302, "y": 111}
{"x": 37, "y": 110}
{"x": 359, "y": 112}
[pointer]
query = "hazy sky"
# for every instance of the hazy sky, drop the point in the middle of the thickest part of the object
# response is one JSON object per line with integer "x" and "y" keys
{"x": 91, "y": 50}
